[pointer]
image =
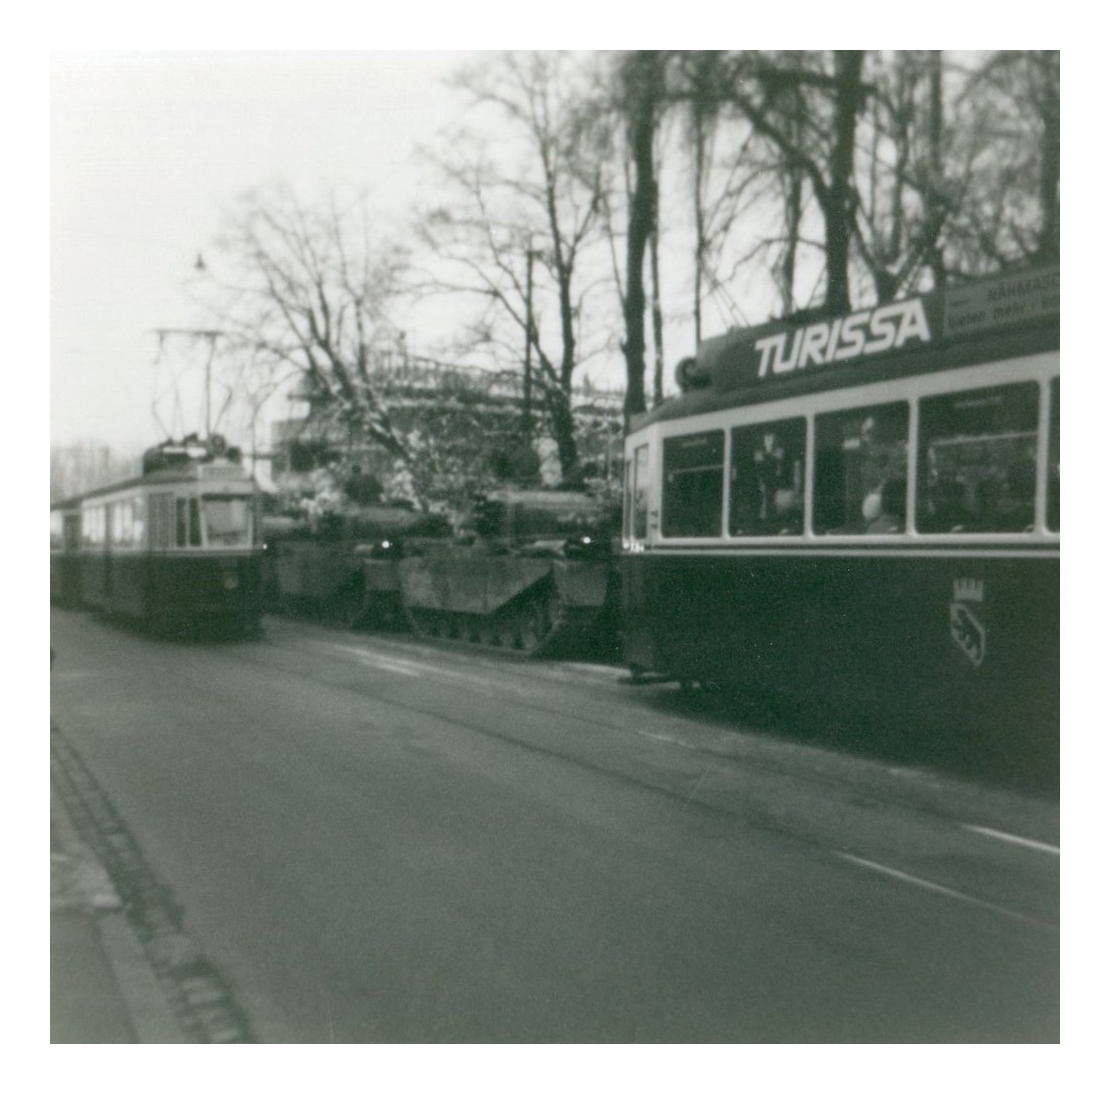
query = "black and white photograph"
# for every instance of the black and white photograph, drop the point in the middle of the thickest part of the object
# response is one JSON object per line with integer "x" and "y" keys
{"x": 554, "y": 547}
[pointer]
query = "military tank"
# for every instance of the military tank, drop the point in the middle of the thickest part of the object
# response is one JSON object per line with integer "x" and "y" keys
{"x": 535, "y": 575}
{"x": 343, "y": 565}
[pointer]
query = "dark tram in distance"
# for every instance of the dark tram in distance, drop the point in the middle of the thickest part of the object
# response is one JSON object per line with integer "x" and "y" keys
{"x": 177, "y": 547}
{"x": 863, "y": 512}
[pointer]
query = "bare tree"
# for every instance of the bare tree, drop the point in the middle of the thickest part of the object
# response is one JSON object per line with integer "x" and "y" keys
{"x": 515, "y": 235}
{"x": 641, "y": 76}
{"x": 304, "y": 296}
{"x": 725, "y": 175}
{"x": 1007, "y": 128}
{"x": 824, "y": 153}
{"x": 907, "y": 180}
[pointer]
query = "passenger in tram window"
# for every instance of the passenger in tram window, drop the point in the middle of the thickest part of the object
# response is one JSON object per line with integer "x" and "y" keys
{"x": 945, "y": 508}
{"x": 788, "y": 512}
{"x": 1018, "y": 493}
{"x": 884, "y": 509}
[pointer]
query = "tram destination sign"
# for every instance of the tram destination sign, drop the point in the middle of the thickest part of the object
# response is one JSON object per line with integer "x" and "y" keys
{"x": 777, "y": 350}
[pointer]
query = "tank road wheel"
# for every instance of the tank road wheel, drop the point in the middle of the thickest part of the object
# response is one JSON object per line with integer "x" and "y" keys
{"x": 487, "y": 632}
{"x": 441, "y": 626}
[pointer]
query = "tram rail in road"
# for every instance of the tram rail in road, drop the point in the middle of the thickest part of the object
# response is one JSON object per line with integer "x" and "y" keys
{"x": 391, "y": 828}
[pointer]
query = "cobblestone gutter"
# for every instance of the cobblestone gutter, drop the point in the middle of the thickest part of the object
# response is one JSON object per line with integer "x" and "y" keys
{"x": 200, "y": 996}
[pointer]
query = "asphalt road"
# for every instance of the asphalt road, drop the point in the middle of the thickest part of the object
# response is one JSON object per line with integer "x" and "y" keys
{"x": 376, "y": 840}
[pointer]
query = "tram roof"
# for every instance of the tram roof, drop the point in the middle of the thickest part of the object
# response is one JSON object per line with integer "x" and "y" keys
{"x": 167, "y": 476}
{"x": 1012, "y": 315}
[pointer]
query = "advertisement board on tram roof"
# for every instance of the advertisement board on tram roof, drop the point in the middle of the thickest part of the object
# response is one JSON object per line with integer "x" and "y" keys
{"x": 956, "y": 314}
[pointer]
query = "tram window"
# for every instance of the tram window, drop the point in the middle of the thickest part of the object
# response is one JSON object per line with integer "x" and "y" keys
{"x": 977, "y": 463}
{"x": 227, "y": 521}
{"x": 138, "y": 522}
{"x": 161, "y": 520}
{"x": 121, "y": 523}
{"x": 91, "y": 522}
{"x": 56, "y": 541}
{"x": 194, "y": 522}
{"x": 188, "y": 522}
{"x": 767, "y": 478}
{"x": 640, "y": 484}
{"x": 693, "y": 484}
{"x": 1052, "y": 516}
{"x": 859, "y": 480}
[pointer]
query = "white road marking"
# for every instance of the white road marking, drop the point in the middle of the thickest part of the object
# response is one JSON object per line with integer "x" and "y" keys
{"x": 426, "y": 669}
{"x": 666, "y": 739}
{"x": 943, "y": 890}
{"x": 1021, "y": 841}
{"x": 405, "y": 668}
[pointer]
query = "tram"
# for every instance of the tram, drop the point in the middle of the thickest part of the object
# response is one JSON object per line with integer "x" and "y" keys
{"x": 179, "y": 546}
{"x": 863, "y": 512}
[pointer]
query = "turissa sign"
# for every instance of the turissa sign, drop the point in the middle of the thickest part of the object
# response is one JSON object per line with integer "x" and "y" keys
{"x": 960, "y": 313}
{"x": 874, "y": 331}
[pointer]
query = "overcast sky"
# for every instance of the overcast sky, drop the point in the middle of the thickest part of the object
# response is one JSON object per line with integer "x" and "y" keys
{"x": 148, "y": 149}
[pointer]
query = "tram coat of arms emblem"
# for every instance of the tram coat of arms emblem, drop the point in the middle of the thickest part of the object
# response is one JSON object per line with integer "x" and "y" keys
{"x": 968, "y": 633}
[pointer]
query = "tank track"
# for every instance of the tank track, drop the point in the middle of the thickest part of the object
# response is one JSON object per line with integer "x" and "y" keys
{"x": 533, "y": 624}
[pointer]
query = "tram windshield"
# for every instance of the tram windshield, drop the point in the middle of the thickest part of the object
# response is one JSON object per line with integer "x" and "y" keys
{"x": 227, "y": 521}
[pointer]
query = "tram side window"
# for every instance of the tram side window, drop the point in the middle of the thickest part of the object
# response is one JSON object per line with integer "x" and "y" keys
{"x": 693, "y": 484}
{"x": 640, "y": 485}
{"x": 88, "y": 527}
{"x": 860, "y": 470}
{"x": 161, "y": 520}
{"x": 977, "y": 460}
{"x": 767, "y": 478}
{"x": 122, "y": 526}
{"x": 56, "y": 540}
{"x": 1053, "y": 514}
{"x": 188, "y": 522}
{"x": 138, "y": 521}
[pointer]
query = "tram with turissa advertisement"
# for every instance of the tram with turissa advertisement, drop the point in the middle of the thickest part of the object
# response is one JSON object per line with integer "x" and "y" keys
{"x": 179, "y": 546}
{"x": 863, "y": 512}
